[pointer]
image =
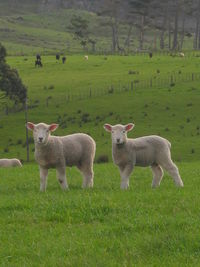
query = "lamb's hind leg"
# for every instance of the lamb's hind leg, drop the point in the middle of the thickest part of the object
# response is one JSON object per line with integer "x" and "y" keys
{"x": 88, "y": 175}
{"x": 157, "y": 175}
{"x": 61, "y": 175}
{"x": 172, "y": 169}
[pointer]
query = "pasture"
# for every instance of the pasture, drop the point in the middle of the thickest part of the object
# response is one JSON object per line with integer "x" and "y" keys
{"x": 103, "y": 226}
{"x": 100, "y": 227}
{"x": 170, "y": 111}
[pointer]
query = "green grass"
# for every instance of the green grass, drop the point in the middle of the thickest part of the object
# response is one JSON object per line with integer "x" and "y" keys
{"x": 100, "y": 227}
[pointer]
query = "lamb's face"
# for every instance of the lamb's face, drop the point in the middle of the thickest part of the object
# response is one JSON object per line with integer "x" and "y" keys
{"x": 41, "y": 131}
{"x": 119, "y": 132}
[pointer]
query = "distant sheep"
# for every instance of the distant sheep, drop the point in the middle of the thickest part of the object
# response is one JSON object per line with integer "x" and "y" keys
{"x": 144, "y": 151}
{"x": 181, "y": 54}
{"x": 10, "y": 163}
{"x": 86, "y": 57}
{"x": 61, "y": 151}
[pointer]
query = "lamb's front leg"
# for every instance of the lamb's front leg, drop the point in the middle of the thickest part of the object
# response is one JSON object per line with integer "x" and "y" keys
{"x": 61, "y": 175}
{"x": 43, "y": 178}
{"x": 125, "y": 172}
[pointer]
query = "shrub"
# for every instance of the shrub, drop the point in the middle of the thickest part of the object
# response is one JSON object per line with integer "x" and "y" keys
{"x": 51, "y": 87}
{"x": 85, "y": 117}
{"x": 19, "y": 142}
{"x": 102, "y": 159}
{"x": 6, "y": 150}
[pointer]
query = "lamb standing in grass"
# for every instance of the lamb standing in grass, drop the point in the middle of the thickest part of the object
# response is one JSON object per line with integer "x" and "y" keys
{"x": 58, "y": 152}
{"x": 10, "y": 163}
{"x": 144, "y": 151}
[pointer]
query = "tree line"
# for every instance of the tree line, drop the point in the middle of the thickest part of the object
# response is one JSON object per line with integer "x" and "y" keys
{"x": 169, "y": 23}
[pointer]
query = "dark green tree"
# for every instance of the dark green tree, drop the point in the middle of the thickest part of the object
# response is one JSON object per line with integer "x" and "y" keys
{"x": 11, "y": 85}
{"x": 79, "y": 26}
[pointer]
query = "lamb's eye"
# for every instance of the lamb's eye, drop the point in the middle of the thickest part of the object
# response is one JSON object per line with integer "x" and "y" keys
{"x": 123, "y": 131}
{"x": 112, "y": 131}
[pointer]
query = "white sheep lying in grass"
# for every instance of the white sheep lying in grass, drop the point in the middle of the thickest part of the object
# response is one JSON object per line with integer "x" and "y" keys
{"x": 10, "y": 163}
{"x": 86, "y": 57}
{"x": 61, "y": 151}
{"x": 144, "y": 151}
{"x": 181, "y": 54}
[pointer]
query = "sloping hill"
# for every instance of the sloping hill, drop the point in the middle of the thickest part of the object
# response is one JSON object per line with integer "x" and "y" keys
{"x": 50, "y": 32}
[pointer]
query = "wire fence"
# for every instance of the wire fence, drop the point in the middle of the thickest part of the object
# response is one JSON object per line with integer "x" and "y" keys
{"x": 131, "y": 86}
{"x": 153, "y": 82}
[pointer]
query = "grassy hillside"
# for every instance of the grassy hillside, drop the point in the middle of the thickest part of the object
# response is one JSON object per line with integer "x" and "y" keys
{"x": 28, "y": 31}
{"x": 100, "y": 227}
{"x": 51, "y": 33}
{"x": 168, "y": 111}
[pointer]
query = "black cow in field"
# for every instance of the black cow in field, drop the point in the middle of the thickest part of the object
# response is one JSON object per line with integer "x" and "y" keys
{"x": 38, "y": 57}
{"x": 150, "y": 54}
{"x": 57, "y": 57}
{"x": 63, "y": 59}
{"x": 38, "y": 63}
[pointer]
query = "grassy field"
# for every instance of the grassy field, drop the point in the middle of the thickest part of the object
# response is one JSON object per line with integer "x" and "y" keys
{"x": 168, "y": 111}
{"x": 103, "y": 226}
{"x": 100, "y": 227}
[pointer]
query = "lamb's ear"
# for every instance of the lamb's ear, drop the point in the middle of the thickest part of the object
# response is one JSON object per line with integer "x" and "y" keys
{"x": 107, "y": 127}
{"x": 129, "y": 127}
{"x": 30, "y": 126}
{"x": 53, "y": 127}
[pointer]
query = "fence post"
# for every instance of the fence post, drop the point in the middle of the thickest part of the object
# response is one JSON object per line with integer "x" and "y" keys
{"x": 192, "y": 76}
{"x": 131, "y": 85}
{"x": 26, "y": 120}
{"x": 171, "y": 79}
{"x": 151, "y": 82}
{"x": 90, "y": 92}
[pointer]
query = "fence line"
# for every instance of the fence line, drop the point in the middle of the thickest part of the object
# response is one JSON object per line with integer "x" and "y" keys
{"x": 119, "y": 87}
{"x": 152, "y": 82}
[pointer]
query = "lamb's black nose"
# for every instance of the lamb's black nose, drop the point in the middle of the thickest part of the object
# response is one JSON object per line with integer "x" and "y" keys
{"x": 118, "y": 140}
{"x": 40, "y": 139}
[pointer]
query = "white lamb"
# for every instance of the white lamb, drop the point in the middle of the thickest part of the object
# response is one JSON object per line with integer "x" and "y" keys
{"x": 181, "y": 54}
{"x": 61, "y": 151}
{"x": 144, "y": 151}
{"x": 10, "y": 163}
{"x": 86, "y": 57}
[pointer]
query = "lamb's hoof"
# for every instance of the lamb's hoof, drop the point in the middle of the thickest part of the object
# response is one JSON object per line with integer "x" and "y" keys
{"x": 154, "y": 186}
{"x": 124, "y": 187}
{"x": 65, "y": 188}
{"x": 180, "y": 184}
{"x": 42, "y": 191}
